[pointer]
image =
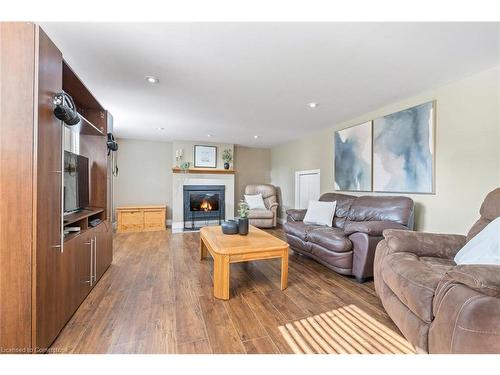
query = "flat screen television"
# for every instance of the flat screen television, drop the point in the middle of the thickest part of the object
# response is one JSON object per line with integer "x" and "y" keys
{"x": 76, "y": 182}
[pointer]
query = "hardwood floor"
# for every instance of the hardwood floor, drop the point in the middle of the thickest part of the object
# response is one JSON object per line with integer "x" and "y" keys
{"x": 157, "y": 297}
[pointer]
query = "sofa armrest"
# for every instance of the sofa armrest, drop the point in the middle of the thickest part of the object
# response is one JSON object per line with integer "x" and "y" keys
{"x": 372, "y": 228}
{"x": 423, "y": 244}
{"x": 273, "y": 205}
{"x": 295, "y": 214}
{"x": 482, "y": 278}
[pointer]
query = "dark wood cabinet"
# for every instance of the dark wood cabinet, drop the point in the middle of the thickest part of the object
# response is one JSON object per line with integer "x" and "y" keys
{"x": 77, "y": 269}
{"x": 48, "y": 193}
{"x": 103, "y": 248}
{"x": 44, "y": 276}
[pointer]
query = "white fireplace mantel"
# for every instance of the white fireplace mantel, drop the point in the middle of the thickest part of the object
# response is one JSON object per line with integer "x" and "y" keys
{"x": 181, "y": 179}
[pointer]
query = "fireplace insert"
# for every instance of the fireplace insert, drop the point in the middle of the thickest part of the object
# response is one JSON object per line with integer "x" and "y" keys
{"x": 203, "y": 205}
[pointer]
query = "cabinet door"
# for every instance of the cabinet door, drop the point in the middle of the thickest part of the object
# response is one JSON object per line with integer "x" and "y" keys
{"x": 83, "y": 263}
{"x": 130, "y": 220}
{"x": 104, "y": 248}
{"x": 49, "y": 290}
{"x": 74, "y": 274}
{"x": 67, "y": 272}
{"x": 154, "y": 220}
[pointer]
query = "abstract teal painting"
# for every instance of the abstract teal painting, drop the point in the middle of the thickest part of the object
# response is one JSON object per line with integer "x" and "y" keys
{"x": 403, "y": 151}
{"x": 353, "y": 158}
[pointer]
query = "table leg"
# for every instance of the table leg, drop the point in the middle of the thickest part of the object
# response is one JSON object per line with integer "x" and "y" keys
{"x": 221, "y": 277}
{"x": 284, "y": 269}
{"x": 203, "y": 249}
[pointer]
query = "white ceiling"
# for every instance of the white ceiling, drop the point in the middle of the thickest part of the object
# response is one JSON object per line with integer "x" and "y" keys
{"x": 237, "y": 80}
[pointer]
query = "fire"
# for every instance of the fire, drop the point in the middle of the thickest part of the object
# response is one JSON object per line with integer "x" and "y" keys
{"x": 205, "y": 206}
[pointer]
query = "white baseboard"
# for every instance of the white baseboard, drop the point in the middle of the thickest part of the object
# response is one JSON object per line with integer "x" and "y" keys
{"x": 177, "y": 227}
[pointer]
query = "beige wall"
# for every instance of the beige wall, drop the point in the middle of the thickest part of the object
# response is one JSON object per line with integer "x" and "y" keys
{"x": 467, "y": 152}
{"x": 145, "y": 173}
{"x": 188, "y": 150}
{"x": 252, "y": 165}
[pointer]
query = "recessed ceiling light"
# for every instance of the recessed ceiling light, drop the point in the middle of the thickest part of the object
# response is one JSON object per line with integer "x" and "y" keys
{"x": 210, "y": 135}
{"x": 151, "y": 79}
{"x": 160, "y": 128}
{"x": 312, "y": 104}
{"x": 256, "y": 137}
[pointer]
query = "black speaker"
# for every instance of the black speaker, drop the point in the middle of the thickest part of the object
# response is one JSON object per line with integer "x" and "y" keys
{"x": 112, "y": 144}
{"x": 65, "y": 109}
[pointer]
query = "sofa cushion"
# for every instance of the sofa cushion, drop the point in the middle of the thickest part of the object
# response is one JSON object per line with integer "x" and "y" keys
{"x": 299, "y": 229}
{"x": 344, "y": 203}
{"x": 320, "y": 213}
{"x": 255, "y": 202}
{"x": 395, "y": 209}
{"x": 260, "y": 214}
{"x": 484, "y": 248}
{"x": 490, "y": 210}
{"x": 332, "y": 239}
{"x": 414, "y": 279}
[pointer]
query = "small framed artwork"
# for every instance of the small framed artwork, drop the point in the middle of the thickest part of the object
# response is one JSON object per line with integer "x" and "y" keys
{"x": 205, "y": 156}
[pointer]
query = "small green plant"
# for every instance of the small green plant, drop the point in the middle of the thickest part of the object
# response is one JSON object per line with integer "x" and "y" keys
{"x": 243, "y": 209}
{"x": 185, "y": 166}
{"x": 227, "y": 156}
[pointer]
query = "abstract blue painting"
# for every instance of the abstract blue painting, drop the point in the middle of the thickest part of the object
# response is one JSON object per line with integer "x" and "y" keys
{"x": 353, "y": 158}
{"x": 403, "y": 151}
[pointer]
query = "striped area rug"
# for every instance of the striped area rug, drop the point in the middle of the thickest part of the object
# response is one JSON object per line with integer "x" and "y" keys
{"x": 347, "y": 330}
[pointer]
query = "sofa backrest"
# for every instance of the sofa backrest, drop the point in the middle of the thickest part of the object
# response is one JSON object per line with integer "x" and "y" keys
{"x": 375, "y": 208}
{"x": 490, "y": 210}
{"x": 344, "y": 203}
{"x": 368, "y": 208}
{"x": 268, "y": 193}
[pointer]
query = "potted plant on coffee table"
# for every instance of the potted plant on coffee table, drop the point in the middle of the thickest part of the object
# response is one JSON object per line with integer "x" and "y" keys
{"x": 243, "y": 211}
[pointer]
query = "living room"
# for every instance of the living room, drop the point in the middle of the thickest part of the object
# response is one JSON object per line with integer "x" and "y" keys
{"x": 197, "y": 188}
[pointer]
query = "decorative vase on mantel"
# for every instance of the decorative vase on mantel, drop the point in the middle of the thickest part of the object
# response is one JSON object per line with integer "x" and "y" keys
{"x": 227, "y": 157}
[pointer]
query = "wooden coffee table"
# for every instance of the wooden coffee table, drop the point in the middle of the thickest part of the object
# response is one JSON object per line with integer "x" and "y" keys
{"x": 226, "y": 249}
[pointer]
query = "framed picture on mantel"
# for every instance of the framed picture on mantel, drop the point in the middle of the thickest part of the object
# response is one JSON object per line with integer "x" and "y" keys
{"x": 205, "y": 156}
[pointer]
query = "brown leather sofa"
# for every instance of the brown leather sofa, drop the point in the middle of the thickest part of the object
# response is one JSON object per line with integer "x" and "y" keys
{"x": 348, "y": 247}
{"x": 438, "y": 306}
{"x": 264, "y": 218}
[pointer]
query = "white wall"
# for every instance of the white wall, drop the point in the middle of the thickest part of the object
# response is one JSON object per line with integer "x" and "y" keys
{"x": 467, "y": 152}
{"x": 145, "y": 173}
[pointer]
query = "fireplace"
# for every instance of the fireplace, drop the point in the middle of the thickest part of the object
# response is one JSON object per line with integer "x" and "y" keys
{"x": 203, "y": 205}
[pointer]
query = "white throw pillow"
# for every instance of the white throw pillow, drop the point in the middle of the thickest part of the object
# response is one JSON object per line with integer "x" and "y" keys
{"x": 484, "y": 248}
{"x": 320, "y": 213}
{"x": 255, "y": 202}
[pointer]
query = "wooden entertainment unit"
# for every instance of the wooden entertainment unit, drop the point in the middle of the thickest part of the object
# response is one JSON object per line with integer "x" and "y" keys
{"x": 44, "y": 274}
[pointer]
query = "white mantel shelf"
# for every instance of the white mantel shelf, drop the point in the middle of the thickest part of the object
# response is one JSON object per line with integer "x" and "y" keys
{"x": 203, "y": 170}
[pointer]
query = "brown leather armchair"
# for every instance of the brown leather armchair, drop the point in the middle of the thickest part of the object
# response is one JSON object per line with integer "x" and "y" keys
{"x": 264, "y": 218}
{"x": 438, "y": 306}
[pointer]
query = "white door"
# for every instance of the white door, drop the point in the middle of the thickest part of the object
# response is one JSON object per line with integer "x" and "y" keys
{"x": 307, "y": 187}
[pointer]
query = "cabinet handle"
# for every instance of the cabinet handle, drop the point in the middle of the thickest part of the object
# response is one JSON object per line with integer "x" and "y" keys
{"x": 95, "y": 258}
{"x": 91, "y": 261}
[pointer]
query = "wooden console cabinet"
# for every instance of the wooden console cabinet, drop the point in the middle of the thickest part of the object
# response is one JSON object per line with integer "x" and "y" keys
{"x": 141, "y": 218}
{"x": 44, "y": 275}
